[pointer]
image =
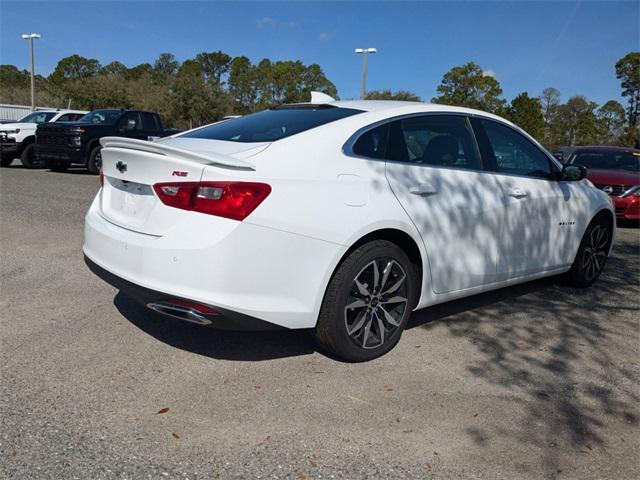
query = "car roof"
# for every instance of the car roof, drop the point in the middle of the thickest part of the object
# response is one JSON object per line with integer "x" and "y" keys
{"x": 604, "y": 148}
{"x": 395, "y": 108}
{"x": 60, "y": 111}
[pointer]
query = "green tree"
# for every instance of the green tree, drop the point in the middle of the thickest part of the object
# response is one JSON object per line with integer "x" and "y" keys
{"x": 214, "y": 65}
{"x": 549, "y": 100}
{"x": 526, "y": 112}
{"x": 577, "y": 121}
{"x": 314, "y": 80}
{"x": 11, "y": 77}
{"x": 610, "y": 119}
{"x": 402, "y": 95}
{"x": 242, "y": 84}
{"x": 139, "y": 71}
{"x": 114, "y": 68}
{"x": 468, "y": 86}
{"x": 628, "y": 72}
{"x": 74, "y": 67}
{"x": 166, "y": 65}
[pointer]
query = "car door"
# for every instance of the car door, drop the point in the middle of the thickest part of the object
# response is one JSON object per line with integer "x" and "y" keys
{"x": 435, "y": 170}
{"x": 539, "y": 228}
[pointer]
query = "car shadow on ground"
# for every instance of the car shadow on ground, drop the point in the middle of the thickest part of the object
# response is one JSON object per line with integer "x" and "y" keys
{"x": 565, "y": 354}
{"x": 220, "y": 344}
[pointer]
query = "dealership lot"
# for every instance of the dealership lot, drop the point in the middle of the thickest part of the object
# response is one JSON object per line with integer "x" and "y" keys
{"x": 533, "y": 381}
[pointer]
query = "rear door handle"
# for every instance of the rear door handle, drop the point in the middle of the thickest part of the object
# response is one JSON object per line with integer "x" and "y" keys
{"x": 423, "y": 190}
{"x": 517, "y": 192}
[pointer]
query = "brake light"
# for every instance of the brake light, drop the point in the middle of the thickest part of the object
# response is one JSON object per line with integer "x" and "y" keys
{"x": 234, "y": 200}
{"x": 101, "y": 176}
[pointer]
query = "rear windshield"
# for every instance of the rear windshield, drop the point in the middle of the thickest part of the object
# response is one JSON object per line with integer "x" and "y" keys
{"x": 273, "y": 124}
{"x": 613, "y": 160}
{"x": 38, "y": 117}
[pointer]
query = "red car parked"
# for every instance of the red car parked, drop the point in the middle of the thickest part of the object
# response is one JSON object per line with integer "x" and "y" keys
{"x": 616, "y": 171}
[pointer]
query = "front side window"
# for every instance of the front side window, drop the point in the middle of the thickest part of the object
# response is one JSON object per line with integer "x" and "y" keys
{"x": 101, "y": 117}
{"x": 67, "y": 117}
{"x": 273, "y": 124}
{"x": 513, "y": 153}
{"x": 433, "y": 140}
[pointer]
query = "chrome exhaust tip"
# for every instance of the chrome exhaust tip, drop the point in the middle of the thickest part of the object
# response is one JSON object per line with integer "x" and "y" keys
{"x": 180, "y": 312}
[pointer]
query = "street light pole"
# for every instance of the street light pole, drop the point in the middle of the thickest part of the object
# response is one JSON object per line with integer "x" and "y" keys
{"x": 31, "y": 37}
{"x": 365, "y": 53}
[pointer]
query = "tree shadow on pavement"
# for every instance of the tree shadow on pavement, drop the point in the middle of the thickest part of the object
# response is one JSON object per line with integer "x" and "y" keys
{"x": 220, "y": 344}
{"x": 569, "y": 356}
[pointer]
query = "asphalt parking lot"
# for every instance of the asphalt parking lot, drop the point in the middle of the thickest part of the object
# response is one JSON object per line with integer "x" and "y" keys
{"x": 534, "y": 381}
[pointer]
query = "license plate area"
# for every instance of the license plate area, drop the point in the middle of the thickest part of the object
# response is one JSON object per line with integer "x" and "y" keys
{"x": 128, "y": 203}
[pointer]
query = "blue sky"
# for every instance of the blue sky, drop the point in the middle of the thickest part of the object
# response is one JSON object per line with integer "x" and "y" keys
{"x": 528, "y": 46}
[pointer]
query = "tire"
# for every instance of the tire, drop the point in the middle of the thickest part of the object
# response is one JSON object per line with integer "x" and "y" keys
{"x": 350, "y": 321}
{"x": 95, "y": 160}
{"x": 592, "y": 254}
{"x": 5, "y": 161}
{"x": 58, "y": 166}
{"x": 28, "y": 158}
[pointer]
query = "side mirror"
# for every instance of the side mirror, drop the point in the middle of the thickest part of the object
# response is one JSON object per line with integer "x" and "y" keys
{"x": 573, "y": 173}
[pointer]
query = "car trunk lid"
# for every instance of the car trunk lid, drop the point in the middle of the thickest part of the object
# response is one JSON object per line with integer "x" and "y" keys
{"x": 131, "y": 167}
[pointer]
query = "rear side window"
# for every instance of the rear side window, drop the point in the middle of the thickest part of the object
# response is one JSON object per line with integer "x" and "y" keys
{"x": 149, "y": 122}
{"x": 131, "y": 121}
{"x": 273, "y": 124}
{"x": 514, "y": 154}
{"x": 435, "y": 140}
{"x": 373, "y": 143}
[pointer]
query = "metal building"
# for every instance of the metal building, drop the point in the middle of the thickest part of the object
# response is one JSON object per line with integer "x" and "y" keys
{"x": 13, "y": 113}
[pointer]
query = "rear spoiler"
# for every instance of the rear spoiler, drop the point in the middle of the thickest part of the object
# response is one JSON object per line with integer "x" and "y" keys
{"x": 165, "y": 150}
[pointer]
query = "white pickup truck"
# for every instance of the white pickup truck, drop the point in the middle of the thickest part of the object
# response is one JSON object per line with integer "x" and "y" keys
{"x": 17, "y": 139}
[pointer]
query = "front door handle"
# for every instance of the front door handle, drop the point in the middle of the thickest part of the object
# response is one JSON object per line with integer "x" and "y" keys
{"x": 517, "y": 192}
{"x": 423, "y": 190}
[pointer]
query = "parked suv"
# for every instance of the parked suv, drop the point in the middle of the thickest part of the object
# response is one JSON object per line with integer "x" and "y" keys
{"x": 61, "y": 145}
{"x": 17, "y": 139}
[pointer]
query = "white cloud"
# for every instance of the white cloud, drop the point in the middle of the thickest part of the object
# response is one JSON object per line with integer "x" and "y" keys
{"x": 265, "y": 22}
{"x": 489, "y": 73}
{"x": 324, "y": 36}
{"x": 273, "y": 23}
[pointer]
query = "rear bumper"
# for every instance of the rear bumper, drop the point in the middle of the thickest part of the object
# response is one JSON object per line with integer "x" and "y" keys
{"x": 235, "y": 267}
{"x": 223, "y": 319}
{"x": 627, "y": 208}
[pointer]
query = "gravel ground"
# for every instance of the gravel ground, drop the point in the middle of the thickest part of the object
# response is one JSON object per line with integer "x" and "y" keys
{"x": 534, "y": 381}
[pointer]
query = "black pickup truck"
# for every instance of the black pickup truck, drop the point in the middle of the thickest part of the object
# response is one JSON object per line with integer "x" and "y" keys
{"x": 78, "y": 143}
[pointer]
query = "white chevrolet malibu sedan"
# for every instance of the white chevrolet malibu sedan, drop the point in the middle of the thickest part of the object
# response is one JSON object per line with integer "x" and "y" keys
{"x": 342, "y": 217}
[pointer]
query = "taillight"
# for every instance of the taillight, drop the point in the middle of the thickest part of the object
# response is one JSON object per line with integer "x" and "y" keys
{"x": 235, "y": 200}
{"x": 101, "y": 176}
